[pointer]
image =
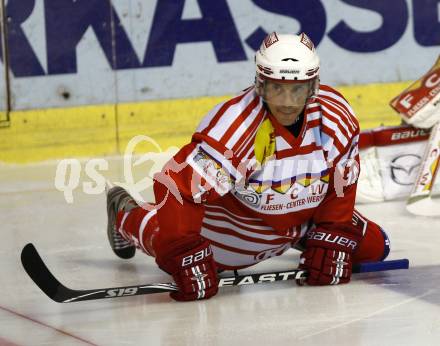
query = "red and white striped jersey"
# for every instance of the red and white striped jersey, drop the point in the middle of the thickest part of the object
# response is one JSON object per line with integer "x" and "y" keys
{"x": 251, "y": 187}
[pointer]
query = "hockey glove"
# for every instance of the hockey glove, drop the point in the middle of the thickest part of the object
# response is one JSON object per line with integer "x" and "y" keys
{"x": 193, "y": 269}
{"x": 328, "y": 254}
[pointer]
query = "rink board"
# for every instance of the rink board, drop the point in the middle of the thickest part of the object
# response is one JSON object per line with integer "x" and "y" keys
{"x": 101, "y": 130}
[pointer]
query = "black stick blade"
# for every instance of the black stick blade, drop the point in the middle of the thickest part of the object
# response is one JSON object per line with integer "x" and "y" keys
{"x": 43, "y": 278}
{"x": 40, "y": 274}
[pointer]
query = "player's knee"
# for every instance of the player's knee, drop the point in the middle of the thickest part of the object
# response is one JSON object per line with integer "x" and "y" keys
{"x": 375, "y": 246}
{"x": 386, "y": 242}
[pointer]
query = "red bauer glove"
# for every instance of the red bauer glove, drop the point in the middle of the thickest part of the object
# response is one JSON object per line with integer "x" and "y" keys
{"x": 192, "y": 266}
{"x": 328, "y": 254}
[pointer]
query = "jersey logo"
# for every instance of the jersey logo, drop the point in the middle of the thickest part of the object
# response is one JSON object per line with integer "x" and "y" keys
{"x": 249, "y": 197}
{"x": 214, "y": 174}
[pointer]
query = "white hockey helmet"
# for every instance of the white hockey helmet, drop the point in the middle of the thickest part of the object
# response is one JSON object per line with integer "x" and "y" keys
{"x": 287, "y": 58}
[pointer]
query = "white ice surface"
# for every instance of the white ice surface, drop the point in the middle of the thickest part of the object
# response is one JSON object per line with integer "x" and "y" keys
{"x": 385, "y": 308}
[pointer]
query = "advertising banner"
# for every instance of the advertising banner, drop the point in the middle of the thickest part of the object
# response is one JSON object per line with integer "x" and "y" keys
{"x": 66, "y": 53}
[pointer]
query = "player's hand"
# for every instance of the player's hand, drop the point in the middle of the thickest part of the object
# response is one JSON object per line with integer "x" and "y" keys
{"x": 193, "y": 269}
{"x": 328, "y": 255}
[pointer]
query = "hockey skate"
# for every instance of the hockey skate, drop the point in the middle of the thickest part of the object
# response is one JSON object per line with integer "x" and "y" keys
{"x": 118, "y": 199}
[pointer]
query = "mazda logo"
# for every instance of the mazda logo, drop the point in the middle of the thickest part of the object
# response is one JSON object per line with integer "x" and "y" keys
{"x": 404, "y": 169}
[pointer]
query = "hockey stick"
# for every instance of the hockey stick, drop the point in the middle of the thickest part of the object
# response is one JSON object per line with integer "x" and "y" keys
{"x": 420, "y": 201}
{"x": 43, "y": 278}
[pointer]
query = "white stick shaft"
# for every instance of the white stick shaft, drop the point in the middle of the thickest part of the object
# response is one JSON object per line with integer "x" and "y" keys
{"x": 420, "y": 202}
{"x": 429, "y": 167}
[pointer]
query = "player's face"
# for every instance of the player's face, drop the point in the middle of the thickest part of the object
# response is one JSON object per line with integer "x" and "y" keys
{"x": 286, "y": 101}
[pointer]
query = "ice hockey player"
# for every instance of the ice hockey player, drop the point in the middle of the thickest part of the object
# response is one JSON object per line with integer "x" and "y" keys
{"x": 273, "y": 168}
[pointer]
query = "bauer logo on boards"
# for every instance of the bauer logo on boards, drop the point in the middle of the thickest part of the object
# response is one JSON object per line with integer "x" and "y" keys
{"x": 413, "y": 133}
